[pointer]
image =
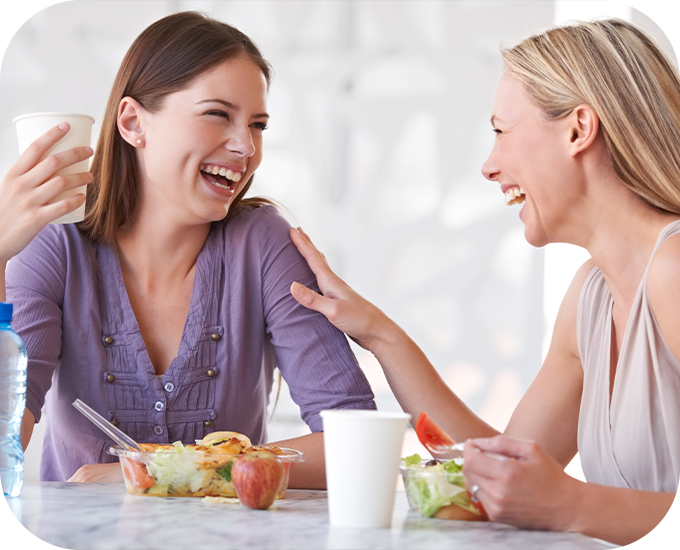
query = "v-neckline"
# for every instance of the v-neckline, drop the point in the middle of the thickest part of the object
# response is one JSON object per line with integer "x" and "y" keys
{"x": 611, "y": 386}
{"x": 202, "y": 286}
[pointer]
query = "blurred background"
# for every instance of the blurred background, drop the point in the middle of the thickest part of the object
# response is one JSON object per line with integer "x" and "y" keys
{"x": 380, "y": 125}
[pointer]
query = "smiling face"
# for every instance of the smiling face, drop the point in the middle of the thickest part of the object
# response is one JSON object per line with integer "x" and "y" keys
{"x": 530, "y": 160}
{"x": 204, "y": 144}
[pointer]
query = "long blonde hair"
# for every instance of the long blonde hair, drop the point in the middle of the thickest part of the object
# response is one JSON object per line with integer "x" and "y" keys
{"x": 628, "y": 80}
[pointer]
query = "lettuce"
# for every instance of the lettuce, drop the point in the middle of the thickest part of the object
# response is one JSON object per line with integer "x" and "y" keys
{"x": 429, "y": 490}
{"x": 177, "y": 471}
{"x": 413, "y": 459}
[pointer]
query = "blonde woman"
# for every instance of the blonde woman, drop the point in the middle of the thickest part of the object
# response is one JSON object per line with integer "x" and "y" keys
{"x": 587, "y": 123}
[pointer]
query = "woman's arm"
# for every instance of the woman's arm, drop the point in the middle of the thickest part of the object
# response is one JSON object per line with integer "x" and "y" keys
{"x": 310, "y": 474}
{"x": 25, "y": 194}
{"x": 549, "y": 410}
{"x": 412, "y": 378}
{"x": 548, "y": 413}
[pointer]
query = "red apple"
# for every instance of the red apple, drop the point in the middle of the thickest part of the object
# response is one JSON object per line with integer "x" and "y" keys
{"x": 257, "y": 478}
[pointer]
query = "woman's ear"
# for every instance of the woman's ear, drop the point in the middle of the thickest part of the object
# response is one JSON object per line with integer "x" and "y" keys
{"x": 584, "y": 126}
{"x": 131, "y": 121}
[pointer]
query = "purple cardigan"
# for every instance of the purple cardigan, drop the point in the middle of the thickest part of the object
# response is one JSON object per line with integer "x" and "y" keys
{"x": 72, "y": 311}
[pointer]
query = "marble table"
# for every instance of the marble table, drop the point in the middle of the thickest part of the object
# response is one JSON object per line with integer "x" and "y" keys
{"x": 102, "y": 516}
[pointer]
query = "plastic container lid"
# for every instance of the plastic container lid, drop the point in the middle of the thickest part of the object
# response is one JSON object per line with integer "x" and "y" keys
{"x": 6, "y": 310}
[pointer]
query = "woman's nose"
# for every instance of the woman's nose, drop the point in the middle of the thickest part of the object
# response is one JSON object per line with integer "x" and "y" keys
{"x": 240, "y": 141}
{"x": 490, "y": 168}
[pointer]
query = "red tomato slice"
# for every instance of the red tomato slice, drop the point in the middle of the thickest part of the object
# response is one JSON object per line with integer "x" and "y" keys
{"x": 431, "y": 435}
{"x": 137, "y": 474}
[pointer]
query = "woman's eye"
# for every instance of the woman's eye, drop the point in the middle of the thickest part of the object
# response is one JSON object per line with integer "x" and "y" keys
{"x": 262, "y": 126}
{"x": 496, "y": 131}
{"x": 222, "y": 114}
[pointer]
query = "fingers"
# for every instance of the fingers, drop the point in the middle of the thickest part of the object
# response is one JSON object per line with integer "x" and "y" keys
{"x": 51, "y": 189}
{"x": 30, "y": 164}
{"x": 307, "y": 297}
{"x": 309, "y": 252}
{"x": 35, "y": 151}
{"x": 504, "y": 445}
{"x": 47, "y": 168}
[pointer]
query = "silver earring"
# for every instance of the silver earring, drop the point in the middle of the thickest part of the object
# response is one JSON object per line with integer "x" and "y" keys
{"x": 139, "y": 142}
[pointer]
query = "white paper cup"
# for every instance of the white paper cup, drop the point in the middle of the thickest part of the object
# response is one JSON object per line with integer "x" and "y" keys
{"x": 362, "y": 485}
{"x": 31, "y": 127}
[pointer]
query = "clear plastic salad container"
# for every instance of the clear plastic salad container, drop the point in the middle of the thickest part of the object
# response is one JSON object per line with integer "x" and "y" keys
{"x": 182, "y": 471}
{"x": 433, "y": 485}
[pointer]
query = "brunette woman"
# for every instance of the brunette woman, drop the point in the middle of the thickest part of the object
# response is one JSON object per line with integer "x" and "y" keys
{"x": 167, "y": 309}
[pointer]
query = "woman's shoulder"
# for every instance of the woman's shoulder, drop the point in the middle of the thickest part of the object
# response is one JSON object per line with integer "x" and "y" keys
{"x": 50, "y": 260}
{"x": 55, "y": 241}
{"x": 663, "y": 291}
{"x": 257, "y": 220}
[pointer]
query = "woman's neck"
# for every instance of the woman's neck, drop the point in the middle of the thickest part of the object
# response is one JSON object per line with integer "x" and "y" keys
{"x": 159, "y": 254}
{"x": 622, "y": 241}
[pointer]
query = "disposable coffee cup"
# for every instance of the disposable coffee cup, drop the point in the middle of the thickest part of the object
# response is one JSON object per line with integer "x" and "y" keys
{"x": 31, "y": 127}
{"x": 362, "y": 487}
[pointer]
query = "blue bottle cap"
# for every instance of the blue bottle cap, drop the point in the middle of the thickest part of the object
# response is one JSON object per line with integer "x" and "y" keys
{"x": 6, "y": 310}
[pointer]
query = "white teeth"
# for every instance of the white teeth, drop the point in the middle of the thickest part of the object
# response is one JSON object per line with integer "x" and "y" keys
{"x": 224, "y": 172}
{"x": 221, "y": 186}
{"x": 514, "y": 195}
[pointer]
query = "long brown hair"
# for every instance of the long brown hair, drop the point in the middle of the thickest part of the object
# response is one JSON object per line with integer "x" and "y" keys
{"x": 634, "y": 87}
{"x": 165, "y": 58}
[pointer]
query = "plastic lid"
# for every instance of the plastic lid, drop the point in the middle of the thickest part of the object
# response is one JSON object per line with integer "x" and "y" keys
{"x": 5, "y": 312}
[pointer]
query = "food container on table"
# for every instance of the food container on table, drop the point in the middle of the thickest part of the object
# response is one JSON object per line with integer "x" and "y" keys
{"x": 183, "y": 471}
{"x": 437, "y": 489}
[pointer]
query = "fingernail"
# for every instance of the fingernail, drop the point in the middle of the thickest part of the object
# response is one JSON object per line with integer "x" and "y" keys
{"x": 89, "y": 150}
{"x": 63, "y": 126}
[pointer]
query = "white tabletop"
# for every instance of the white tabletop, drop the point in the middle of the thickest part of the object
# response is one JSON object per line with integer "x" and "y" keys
{"x": 103, "y": 516}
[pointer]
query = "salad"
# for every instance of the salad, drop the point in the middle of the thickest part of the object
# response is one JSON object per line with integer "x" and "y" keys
{"x": 431, "y": 485}
{"x": 197, "y": 470}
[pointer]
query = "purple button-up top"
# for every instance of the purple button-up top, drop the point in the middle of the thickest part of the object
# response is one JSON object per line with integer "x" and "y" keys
{"x": 72, "y": 311}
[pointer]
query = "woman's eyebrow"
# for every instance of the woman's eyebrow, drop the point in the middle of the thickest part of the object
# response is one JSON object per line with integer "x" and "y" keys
{"x": 230, "y": 106}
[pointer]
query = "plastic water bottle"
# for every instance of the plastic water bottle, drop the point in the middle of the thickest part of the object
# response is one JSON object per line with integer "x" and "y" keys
{"x": 13, "y": 361}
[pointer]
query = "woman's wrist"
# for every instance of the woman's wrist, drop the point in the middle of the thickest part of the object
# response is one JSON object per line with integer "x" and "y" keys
{"x": 574, "y": 510}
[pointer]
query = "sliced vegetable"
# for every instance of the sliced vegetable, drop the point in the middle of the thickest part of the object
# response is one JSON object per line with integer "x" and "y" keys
{"x": 137, "y": 474}
{"x": 430, "y": 435}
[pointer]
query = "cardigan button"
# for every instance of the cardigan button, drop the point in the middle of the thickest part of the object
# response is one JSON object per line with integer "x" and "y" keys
{"x": 114, "y": 421}
{"x": 211, "y": 373}
{"x": 108, "y": 340}
{"x": 110, "y": 378}
{"x": 216, "y": 336}
{"x": 208, "y": 423}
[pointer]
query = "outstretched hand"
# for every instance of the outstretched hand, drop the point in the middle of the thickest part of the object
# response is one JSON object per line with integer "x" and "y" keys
{"x": 520, "y": 484}
{"x": 344, "y": 308}
{"x": 31, "y": 185}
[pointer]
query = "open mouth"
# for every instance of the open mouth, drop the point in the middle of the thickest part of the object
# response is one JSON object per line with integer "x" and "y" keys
{"x": 219, "y": 176}
{"x": 514, "y": 195}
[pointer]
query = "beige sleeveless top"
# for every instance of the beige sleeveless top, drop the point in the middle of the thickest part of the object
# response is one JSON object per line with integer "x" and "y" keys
{"x": 633, "y": 442}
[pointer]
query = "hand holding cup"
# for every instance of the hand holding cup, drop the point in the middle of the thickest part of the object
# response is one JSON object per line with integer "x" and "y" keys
{"x": 30, "y": 190}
